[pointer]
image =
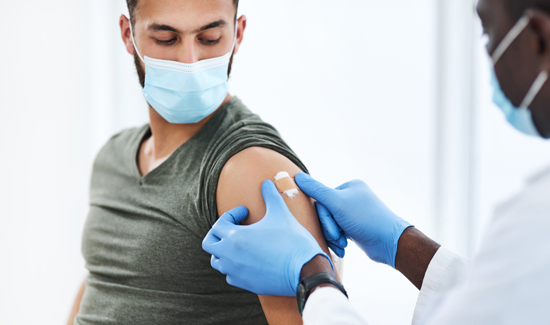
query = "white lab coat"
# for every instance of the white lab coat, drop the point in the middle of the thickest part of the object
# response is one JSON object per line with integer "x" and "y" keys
{"x": 508, "y": 281}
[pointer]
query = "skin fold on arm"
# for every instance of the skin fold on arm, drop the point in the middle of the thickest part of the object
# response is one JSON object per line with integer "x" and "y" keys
{"x": 240, "y": 185}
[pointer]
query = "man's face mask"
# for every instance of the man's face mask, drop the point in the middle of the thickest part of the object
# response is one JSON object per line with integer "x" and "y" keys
{"x": 519, "y": 117}
{"x": 186, "y": 93}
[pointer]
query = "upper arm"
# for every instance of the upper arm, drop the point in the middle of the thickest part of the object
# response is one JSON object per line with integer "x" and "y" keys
{"x": 240, "y": 185}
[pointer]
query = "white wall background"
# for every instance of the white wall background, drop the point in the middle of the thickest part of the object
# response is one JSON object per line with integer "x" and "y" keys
{"x": 357, "y": 87}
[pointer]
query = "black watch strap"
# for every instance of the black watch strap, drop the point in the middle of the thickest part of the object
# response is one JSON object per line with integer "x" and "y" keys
{"x": 308, "y": 284}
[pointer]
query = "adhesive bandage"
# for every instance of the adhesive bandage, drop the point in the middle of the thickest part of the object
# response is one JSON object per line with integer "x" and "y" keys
{"x": 286, "y": 185}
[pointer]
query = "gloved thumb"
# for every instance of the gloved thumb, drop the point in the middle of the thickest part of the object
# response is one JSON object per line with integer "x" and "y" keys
{"x": 272, "y": 197}
{"x": 315, "y": 189}
{"x": 235, "y": 216}
{"x": 331, "y": 229}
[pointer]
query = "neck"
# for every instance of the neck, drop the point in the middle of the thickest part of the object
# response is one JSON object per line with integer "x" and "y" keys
{"x": 167, "y": 137}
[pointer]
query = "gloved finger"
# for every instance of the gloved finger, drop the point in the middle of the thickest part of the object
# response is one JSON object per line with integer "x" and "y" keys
{"x": 216, "y": 264}
{"x": 325, "y": 195}
{"x": 334, "y": 244}
{"x": 229, "y": 221}
{"x": 235, "y": 216}
{"x": 344, "y": 186}
{"x": 331, "y": 230}
{"x": 356, "y": 183}
{"x": 209, "y": 242}
{"x": 342, "y": 241}
{"x": 272, "y": 197}
{"x": 340, "y": 252}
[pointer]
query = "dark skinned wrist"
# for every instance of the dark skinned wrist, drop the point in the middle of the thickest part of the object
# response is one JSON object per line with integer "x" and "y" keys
{"x": 319, "y": 264}
{"x": 415, "y": 251}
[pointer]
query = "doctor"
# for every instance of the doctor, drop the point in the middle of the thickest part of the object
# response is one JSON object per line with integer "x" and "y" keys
{"x": 508, "y": 281}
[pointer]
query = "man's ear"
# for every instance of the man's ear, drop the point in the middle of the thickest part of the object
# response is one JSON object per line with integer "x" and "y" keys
{"x": 126, "y": 34}
{"x": 241, "y": 26}
{"x": 540, "y": 24}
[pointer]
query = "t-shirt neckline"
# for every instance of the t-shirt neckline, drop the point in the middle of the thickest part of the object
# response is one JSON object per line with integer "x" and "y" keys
{"x": 146, "y": 132}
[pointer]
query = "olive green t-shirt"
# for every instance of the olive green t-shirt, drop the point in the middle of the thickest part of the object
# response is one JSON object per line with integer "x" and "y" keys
{"x": 142, "y": 240}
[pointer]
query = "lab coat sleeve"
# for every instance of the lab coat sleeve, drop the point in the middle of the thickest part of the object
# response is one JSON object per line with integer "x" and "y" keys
{"x": 508, "y": 282}
{"x": 445, "y": 270}
{"x": 329, "y": 306}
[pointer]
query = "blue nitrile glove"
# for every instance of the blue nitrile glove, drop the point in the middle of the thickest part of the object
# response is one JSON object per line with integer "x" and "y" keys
{"x": 335, "y": 236}
{"x": 353, "y": 210}
{"x": 267, "y": 257}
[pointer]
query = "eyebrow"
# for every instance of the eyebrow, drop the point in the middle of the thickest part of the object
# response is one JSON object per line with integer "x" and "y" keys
{"x": 216, "y": 24}
{"x": 161, "y": 27}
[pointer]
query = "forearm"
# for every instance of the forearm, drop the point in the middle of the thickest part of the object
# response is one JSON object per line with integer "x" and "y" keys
{"x": 76, "y": 304}
{"x": 284, "y": 310}
{"x": 319, "y": 264}
{"x": 415, "y": 251}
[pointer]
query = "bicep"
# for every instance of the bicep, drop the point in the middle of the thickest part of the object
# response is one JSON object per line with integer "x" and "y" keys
{"x": 240, "y": 185}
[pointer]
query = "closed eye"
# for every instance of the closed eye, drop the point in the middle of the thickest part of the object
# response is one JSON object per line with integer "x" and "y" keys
{"x": 210, "y": 42}
{"x": 166, "y": 43}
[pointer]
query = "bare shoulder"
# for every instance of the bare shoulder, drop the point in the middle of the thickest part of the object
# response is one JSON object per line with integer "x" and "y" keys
{"x": 257, "y": 160}
{"x": 242, "y": 177}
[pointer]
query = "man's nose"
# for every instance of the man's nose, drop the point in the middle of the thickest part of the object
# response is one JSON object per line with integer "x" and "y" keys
{"x": 188, "y": 53}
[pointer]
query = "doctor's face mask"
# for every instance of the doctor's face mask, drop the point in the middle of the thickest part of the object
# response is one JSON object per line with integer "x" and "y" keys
{"x": 519, "y": 117}
{"x": 519, "y": 65}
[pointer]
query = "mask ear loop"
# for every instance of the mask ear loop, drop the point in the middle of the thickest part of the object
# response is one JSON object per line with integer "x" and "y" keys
{"x": 535, "y": 89}
{"x": 501, "y": 49}
{"x": 134, "y": 42}
{"x": 510, "y": 37}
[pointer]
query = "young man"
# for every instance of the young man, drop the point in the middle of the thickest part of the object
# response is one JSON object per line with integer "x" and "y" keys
{"x": 156, "y": 190}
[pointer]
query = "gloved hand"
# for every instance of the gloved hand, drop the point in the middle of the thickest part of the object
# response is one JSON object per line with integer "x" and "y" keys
{"x": 267, "y": 257}
{"x": 335, "y": 236}
{"x": 353, "y": 210}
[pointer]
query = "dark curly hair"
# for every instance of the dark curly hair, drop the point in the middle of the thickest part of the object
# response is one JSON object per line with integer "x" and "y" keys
{"x": 133, "y": 3}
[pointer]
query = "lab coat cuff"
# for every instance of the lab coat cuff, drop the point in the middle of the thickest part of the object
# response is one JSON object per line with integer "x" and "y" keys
{"x": 445, "y": 270}
{"x": 329, "y": 305}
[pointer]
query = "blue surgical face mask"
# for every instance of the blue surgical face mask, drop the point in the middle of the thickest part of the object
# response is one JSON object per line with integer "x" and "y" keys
{"x": 186, "y": 93}
{"x": 519, "y": 117}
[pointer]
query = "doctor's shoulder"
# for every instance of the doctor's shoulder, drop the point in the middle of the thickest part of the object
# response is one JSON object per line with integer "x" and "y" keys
{"x": 532, "y": 202}
{"x": 519, "y": 228}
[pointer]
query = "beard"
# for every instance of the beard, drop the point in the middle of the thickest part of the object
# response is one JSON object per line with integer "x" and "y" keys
{"x": 141, "y": 70}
